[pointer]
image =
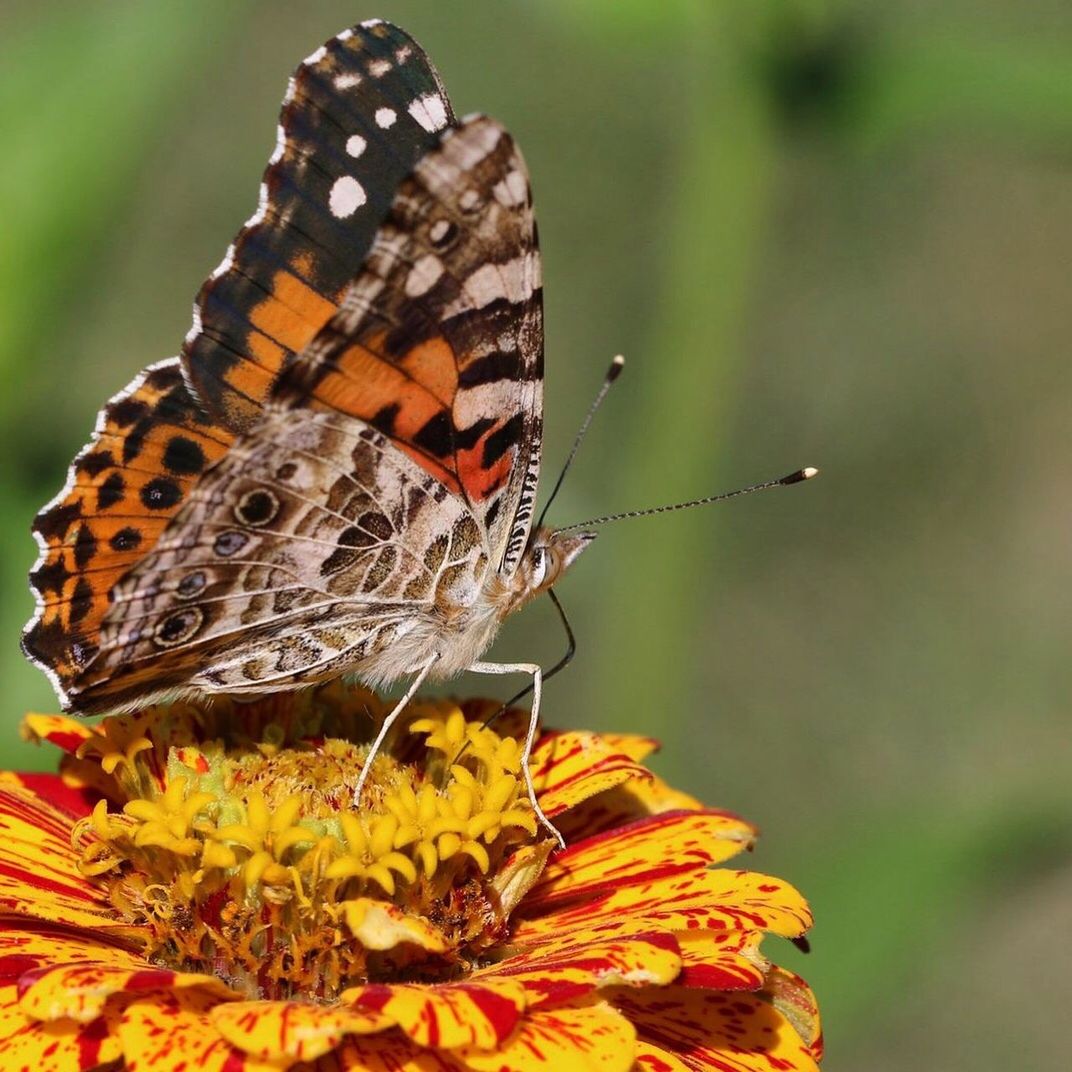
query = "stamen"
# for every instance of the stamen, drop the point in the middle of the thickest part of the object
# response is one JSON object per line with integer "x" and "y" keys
{"x": 240, "y": 853}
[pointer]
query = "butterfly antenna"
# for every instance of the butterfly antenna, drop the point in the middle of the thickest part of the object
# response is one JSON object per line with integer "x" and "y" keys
{"x": 613, "y": 373}
{"x": 785, "y": 481}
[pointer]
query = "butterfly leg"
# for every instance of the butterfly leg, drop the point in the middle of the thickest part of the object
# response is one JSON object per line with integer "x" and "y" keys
{"x": 388, "y": 722}
{"x": 530, "y": 737}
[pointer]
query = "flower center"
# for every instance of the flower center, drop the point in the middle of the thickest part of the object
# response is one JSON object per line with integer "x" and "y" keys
{"x": 237, "y": 849}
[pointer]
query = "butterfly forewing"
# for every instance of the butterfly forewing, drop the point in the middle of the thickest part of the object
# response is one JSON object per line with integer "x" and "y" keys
{"x": 439, "y": 342}
{"x": 358, "y": 114}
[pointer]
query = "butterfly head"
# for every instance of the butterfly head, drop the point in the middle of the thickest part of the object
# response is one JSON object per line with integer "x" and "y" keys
{"x": 548, "y": 555}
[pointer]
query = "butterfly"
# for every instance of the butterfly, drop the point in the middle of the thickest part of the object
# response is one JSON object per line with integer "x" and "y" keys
{"x": 337, "y": 475}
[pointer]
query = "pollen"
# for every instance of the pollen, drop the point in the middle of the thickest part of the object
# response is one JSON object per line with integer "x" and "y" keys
{"x": 232, "y": 840}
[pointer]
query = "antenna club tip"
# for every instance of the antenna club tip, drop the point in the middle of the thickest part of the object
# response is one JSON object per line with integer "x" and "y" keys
{"x": 615, "y": 369}
{"x": 801, "y": 474}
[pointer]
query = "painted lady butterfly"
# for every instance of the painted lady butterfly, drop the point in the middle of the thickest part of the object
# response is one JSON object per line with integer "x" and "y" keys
{"x": 337, "y": 475}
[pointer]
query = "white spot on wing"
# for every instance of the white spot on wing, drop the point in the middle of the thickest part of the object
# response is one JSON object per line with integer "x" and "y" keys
{"x": 430, "y": 111}
{"x": 347, "y": 80}
{"x": 423, "y": 275}
{"x": 512, "y": 191}
{"x": 467, "y": 147}
{"x": 378, "y": 68}
{"x": 315, "y": 57}
{"x": 355, "y": 144}
{"x": 513, "y": 281}
{"x": 346, "y": 197}
{"x": 385, "y": 117}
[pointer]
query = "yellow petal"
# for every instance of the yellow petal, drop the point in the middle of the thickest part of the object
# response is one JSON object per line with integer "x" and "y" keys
{"x": 381, "y": 925}
{"x": 498, "y": 794}
{"x": 39, "y": 873}
{"x": 477, "y": 853}
{"x": 290, "y": 1031}
{"x": 79, "y": 991}
{"x": 64, "y": 1046}
{"x": 591, "y": 1038}
{"x": 63, "y": 732}
{"x": 449, "y": 1015}
{"x": 714, "y": 1030}
{"x": 258, "y": 817}
{"x": 354, "y": 832}
{"x": 382, "y": 836}
{"x": 296, "y": 835}
{"x": 286, "y": 814}
{"x": 255, "y": 867}
{"x": 382, "y": 876}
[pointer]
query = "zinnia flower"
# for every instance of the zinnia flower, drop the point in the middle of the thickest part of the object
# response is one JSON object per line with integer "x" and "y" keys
{"x": 195, "y": 890}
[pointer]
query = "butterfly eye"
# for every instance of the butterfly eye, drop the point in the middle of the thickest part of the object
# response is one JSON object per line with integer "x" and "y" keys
{"x": 539, "y": 566}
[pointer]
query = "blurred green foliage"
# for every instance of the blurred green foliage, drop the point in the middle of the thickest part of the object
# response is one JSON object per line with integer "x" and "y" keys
{"x": 823, "y": 233}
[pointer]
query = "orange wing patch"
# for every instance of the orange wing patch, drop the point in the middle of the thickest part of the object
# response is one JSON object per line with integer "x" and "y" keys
{"x": 152, "y": 444}
{"x": 434, "y": 365}
{"x": 261, "y": 342}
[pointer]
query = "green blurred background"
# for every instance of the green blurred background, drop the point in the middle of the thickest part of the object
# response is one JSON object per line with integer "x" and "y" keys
{"x": 823, "y": 233}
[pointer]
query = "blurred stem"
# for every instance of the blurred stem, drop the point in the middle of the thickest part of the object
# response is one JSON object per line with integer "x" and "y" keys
{"x": 690, "y": 370}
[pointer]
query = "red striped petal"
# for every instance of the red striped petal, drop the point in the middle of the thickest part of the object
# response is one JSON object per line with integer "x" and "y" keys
{"x": 708, "y": 1030}
{"x": 569, "y": 768}
{"x": 26, "y": 946}
{"x": 289, "y": 1030}
{"x": 173, "y": 1032}
{"x": 39, "y": 874}
{"x": 656, "y": 847}
{"x": 449, "y": 1016}
{"x": 559, "y": 975}
{"x": 718, "y": 899}
{"x": 80, "y": 991}
{"x": 67, "y": 1046}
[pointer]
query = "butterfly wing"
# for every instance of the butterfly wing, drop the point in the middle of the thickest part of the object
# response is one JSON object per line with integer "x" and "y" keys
{"x": 281, "y": 281}
{"x": 353, "y": 528}
{"x": 311, "y": 549}
{"x": 439, "y": 342}
{"x": 357, "y": 115}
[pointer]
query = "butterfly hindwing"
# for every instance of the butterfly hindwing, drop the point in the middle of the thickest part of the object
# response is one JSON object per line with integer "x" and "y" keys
{"x": 151, "y": 444}
{"x": 308, "y": 550}
{"x": 358, "y": 114}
